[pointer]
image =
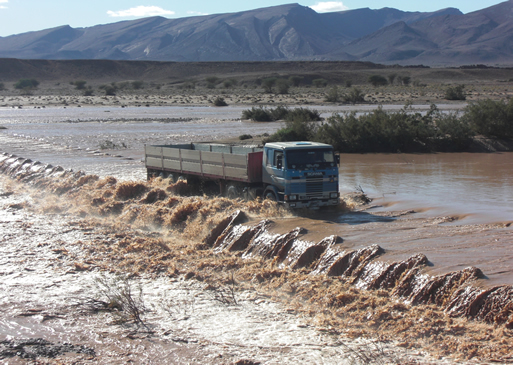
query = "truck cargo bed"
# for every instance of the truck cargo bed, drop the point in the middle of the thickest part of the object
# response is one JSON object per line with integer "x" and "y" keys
{"x": 216, "y": 161}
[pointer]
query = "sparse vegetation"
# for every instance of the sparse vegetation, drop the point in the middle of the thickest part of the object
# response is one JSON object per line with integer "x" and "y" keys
{"x": 109, "y": 145}
{"x": 243, "y": 137}
{"x": 219, "y": 101}
{"x": 80, "y": 84}
{"x": 333, "y": 95}
{"x": 2, "y": 86}
{"x": 137, "y": 85}
{"x": 26, "y": 84}
{"x": 261, "y": 114}
{"x": 319, "y": 83}
{"x": 377, "y": 80}
{"x": 354, "y": 96}
{"x": 455, "y": 93}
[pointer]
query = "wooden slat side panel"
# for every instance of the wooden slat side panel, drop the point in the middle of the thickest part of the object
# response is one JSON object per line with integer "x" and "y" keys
{"x": 191, "y": 166}
{"x": 212, "y": 158}
{"x": 236, "y": 173}
{"x": 238, "y": 160}
{"x": 172, "y": 164}
{"x": 171, "y": 152}
{"x": 153, "y": 162}
{"x": 153, "y": 151}
{"x": 190, "y": 155}
{"x": 213, "y": 170}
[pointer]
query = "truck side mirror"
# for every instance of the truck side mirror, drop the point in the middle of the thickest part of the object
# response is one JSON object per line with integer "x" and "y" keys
{"x": 337, "y": 158}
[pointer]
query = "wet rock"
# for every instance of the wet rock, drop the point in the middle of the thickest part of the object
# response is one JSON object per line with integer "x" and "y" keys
{"x": 222, "y": 229}
{"x": 339, "y": 262}
{"x": 304, "y": 254}
{"x": 239, "y": 237}
{"x": 38, "y": 347}
{"x": 273, "y": 246}
{"x": 439, "y": 289}
{"x": 494, "y": 305}
{"x": 388, "y": 275}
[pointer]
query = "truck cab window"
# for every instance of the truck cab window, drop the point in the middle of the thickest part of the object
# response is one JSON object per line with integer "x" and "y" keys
{"x": 278, "y": 159}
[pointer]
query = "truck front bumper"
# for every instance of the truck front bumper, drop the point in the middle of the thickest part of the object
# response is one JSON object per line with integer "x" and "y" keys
{"x": 312, "y": 204}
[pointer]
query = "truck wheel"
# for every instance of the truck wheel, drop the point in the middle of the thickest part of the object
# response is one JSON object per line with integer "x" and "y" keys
{"x": 270, "y": 195}
{"x": 171, "y": 178}
{"x": 232, "y": 192}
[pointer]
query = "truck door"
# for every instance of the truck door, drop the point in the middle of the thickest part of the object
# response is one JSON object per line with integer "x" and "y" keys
{"x": 275, "y": 168}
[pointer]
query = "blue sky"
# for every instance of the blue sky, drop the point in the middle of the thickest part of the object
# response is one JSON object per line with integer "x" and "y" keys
{"x": 19, "y": 16}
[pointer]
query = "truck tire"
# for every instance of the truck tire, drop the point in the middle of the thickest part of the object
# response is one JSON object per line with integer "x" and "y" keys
{"x": 270, "y": 195}
{"x": 232, "y": 192}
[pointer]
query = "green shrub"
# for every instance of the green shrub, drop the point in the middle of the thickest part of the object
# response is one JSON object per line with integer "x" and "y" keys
{"x": 282, "y": 86}
{"x": 405, "y": 80}
{"x": 136, "y": 85}
{"x": 243, "y": 137}
{"x": 354, "y": 96}
{"x": 268, "y": 84}
{"x": 219, "y": 101}
{"x": 333, "y": 95}
{"x": 295, "y": 80}
{"x": 377, "y": 80}
{"x": 490, "y": 118}
{"x": 455, "y": 93}
{"x": 257, "y": 114}
{"x": 80, "y": 84}
{"x": 319, "y": 83}
{"x": 26, "y": 84}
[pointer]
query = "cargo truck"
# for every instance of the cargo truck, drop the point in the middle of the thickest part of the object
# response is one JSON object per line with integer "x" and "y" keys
{"x": 297, "y": 174}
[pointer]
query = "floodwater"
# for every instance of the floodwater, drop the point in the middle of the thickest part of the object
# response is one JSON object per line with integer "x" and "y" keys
{"x": 476, "y": 187}
{"x": 445, "y": 202}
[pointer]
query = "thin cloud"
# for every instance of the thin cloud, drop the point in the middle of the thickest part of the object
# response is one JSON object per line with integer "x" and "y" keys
{"x": 140, "y": 11}
{"x": 196, "y": 13}
{"x": 3, "y": 2}
{"x": 329, "y": 6}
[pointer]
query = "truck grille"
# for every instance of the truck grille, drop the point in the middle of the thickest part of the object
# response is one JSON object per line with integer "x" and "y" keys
{"x": 314, "y": 187}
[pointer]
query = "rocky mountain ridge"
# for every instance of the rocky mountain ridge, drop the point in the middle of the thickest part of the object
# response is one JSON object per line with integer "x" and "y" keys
{"x": 286, "y": 32}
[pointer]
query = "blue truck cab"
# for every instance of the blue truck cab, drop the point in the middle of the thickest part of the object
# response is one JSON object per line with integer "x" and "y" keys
{"x": 301, "y": 174}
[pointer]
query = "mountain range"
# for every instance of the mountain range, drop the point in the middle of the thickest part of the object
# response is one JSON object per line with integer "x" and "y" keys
{"x": 287, "y": 32}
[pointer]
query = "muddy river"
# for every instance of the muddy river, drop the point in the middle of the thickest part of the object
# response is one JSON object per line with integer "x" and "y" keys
{"x": 455, "y": 208}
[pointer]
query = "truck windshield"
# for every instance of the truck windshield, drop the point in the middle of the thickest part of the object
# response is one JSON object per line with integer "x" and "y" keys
{"x": 302, "y": 159}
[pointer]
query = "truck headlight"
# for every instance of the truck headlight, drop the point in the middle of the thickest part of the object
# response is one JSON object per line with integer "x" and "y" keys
{"x": 293, "y": 197}
{"x": 333, "y": 195}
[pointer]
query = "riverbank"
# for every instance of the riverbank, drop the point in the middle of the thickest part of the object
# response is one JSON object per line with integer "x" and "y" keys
{"x": 146, "y": 229}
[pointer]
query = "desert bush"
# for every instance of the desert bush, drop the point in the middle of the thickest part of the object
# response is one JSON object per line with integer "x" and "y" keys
{"x": 261, "y": 114}
{"x": 305, "y": 114}
{"x": 391, "y": 78}
{"x": 136, "y": 85}
{"x": 455, "y": 93}
{"x": 349, "y": 83}
{"x": 490, "y": 118}
{"x": 282, "y": 86}
{"x": 88, "y": 92}
{"x": 109, "y": 145}
{"x": 80, "y": 84}
{"x": 243, "y": 137}
{"x": 320, "y": 82}
{"x": 26, "y": 84}
{"x": 268, "y": 84}
{"x": 377, "y": 80}
{"x": 405, "y": 80}
{"x": 257, "y": 114}
{"x": 2, "y": 86}
{"x": 354, "y": 96}
{"x": 120, "y": 296}
{"x": 211, "y": 81}
{"x": 229, "y": 83}
{"x": 295, "y": 80}
{"x": 219, "y": 101}
{"x": 333, "y": 95}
